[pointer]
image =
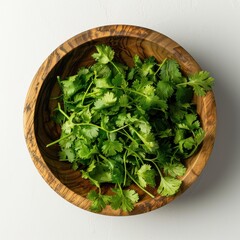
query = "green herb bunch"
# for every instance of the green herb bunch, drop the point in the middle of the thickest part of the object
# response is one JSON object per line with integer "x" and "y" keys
{"x": 124, "y": 125}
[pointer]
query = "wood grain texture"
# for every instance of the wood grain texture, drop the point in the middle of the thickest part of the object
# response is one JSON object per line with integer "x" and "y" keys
{"x": 66, "y": 60}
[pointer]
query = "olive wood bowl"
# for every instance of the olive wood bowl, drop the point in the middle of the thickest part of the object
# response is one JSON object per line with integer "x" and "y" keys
{"x": 40, "y": 130}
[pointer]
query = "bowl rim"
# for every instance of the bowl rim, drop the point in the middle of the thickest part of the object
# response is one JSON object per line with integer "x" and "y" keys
{"x": 35, "y": 87}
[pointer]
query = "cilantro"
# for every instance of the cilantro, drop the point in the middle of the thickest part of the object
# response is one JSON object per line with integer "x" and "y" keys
{"x": 106, "y": 101}
{"x": 170, "y": 72}
{"x": 123, "y": 101}
{"x": 125, "y": 125}
{"x": 164, "y": 89}
{"x": 146, "y": 176}
{"x": 110, "y": 148}
{"x": 90, "y": 131}
{"x": 67, "y": 153}
{"x": 184, "y": 94}
{"x": 104, "y": 55}
{"x": 99, "y": 201}
{"x": 124, "y": 199}
{"x": 201, "y": 82}
{"x": 168, "y": 186}
{"x": 99, "y": 172}
{"x": 174, "y": 169}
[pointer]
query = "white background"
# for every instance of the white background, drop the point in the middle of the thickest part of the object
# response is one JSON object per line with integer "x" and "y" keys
{"x": 30, "y": 30}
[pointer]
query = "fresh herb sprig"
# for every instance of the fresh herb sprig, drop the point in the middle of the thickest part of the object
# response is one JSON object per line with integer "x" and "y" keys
{"x": 123, "y": 125}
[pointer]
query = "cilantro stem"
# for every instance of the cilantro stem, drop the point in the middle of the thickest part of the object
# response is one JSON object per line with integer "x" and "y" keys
{"x": 115, "y": 66}
{"x": 104, "y": 158}
{"x": 59, "y": 82}
{"x": 99, "y": 190}
{"x": 118, "y": 129}
{"x": 94, "y": 125}
{"x": 62, "y": 112}
{"x": 156, "y": 166}
{"x": 55, "y": 98}
{"x": 184, "y": 84}
{"x": 58, "y": 140}
{"x": 152, "y": 196}
{"x": 90, "y": 124}
{"x": 120, "y": 188}
{"x": 125, "y": 168}
{"x": 89, "y": 86}
{"x": 150, "y": 159}
{"x": 160, "y": 66}
{"x": 192, "y": 152}
{"x": 133, "y": 91}
{"x": 173, "y": 156}
{"x": 129, "y": 136}
{"x": 129, "y": 90}
{"x": 142, "y": 138}
{"x": 137, "y": 157}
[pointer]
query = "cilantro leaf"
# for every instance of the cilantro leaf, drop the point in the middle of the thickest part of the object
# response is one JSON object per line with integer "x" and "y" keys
{"x": 101, "y": 72}
{"x": 146, "y": 176}
{"x": 104, "y": 55}
{"x": 90, "y": 131}
{"x": 70, "y": 86}
{"x": 101, "y": 173}
{"x": 190, "y": 122}
{"x": 124, "y": 199}
{"x": 110, "y": 148}
{"x": 67, "y": 153}
{"x": 201, "y": 82}
{"x": 102, "y": 83}
{"x": 150, "y": 144}
{"x": 199, "y": 136}
{"x": 121, "y": 118}
{"x": 106, "y": 101}
{"x": 142, "y": 124}
{"x": 86, "y": 115}
{"x": 147, "y": 66}
{"x": 170, "y": 71}
{"x": 67, "y": 126}
{"x": 118, "y": 80}
{"x": 164, "y": 89}
{"x": 123, "y": 101}
{"x": 117, "y": 173}
{"x": 174, "y": 169}
{"x": 131, "y": 74}
{"x": 137, "y": 61}
{"x": 168, "y": 186}
{"x": 187, "y": 143}
{"x": 109, "y": 98}
{"x": 166, "y": 133}
{"x": 83, "y": 152}
{"x": 179, "y": 135}
{"x": 86, "y": 175}
{"x": 99, "y": 201}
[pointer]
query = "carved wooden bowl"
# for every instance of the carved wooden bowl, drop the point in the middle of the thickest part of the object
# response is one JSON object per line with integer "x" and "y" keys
{"x": 66, "y": 60}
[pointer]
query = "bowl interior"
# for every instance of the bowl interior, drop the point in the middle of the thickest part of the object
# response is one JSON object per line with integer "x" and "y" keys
{"x": 71, "y": 59}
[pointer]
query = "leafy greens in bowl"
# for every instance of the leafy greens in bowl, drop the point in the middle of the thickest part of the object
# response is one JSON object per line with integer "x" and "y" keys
{"x": 128, "y": 118}
{"x": 125, "y": 125}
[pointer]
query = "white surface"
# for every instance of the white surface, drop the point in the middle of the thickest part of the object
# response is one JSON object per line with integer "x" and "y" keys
{"x": 30, "y": 31}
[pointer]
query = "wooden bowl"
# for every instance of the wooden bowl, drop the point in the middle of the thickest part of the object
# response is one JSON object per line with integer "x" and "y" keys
{"x": 66, "y": 60}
